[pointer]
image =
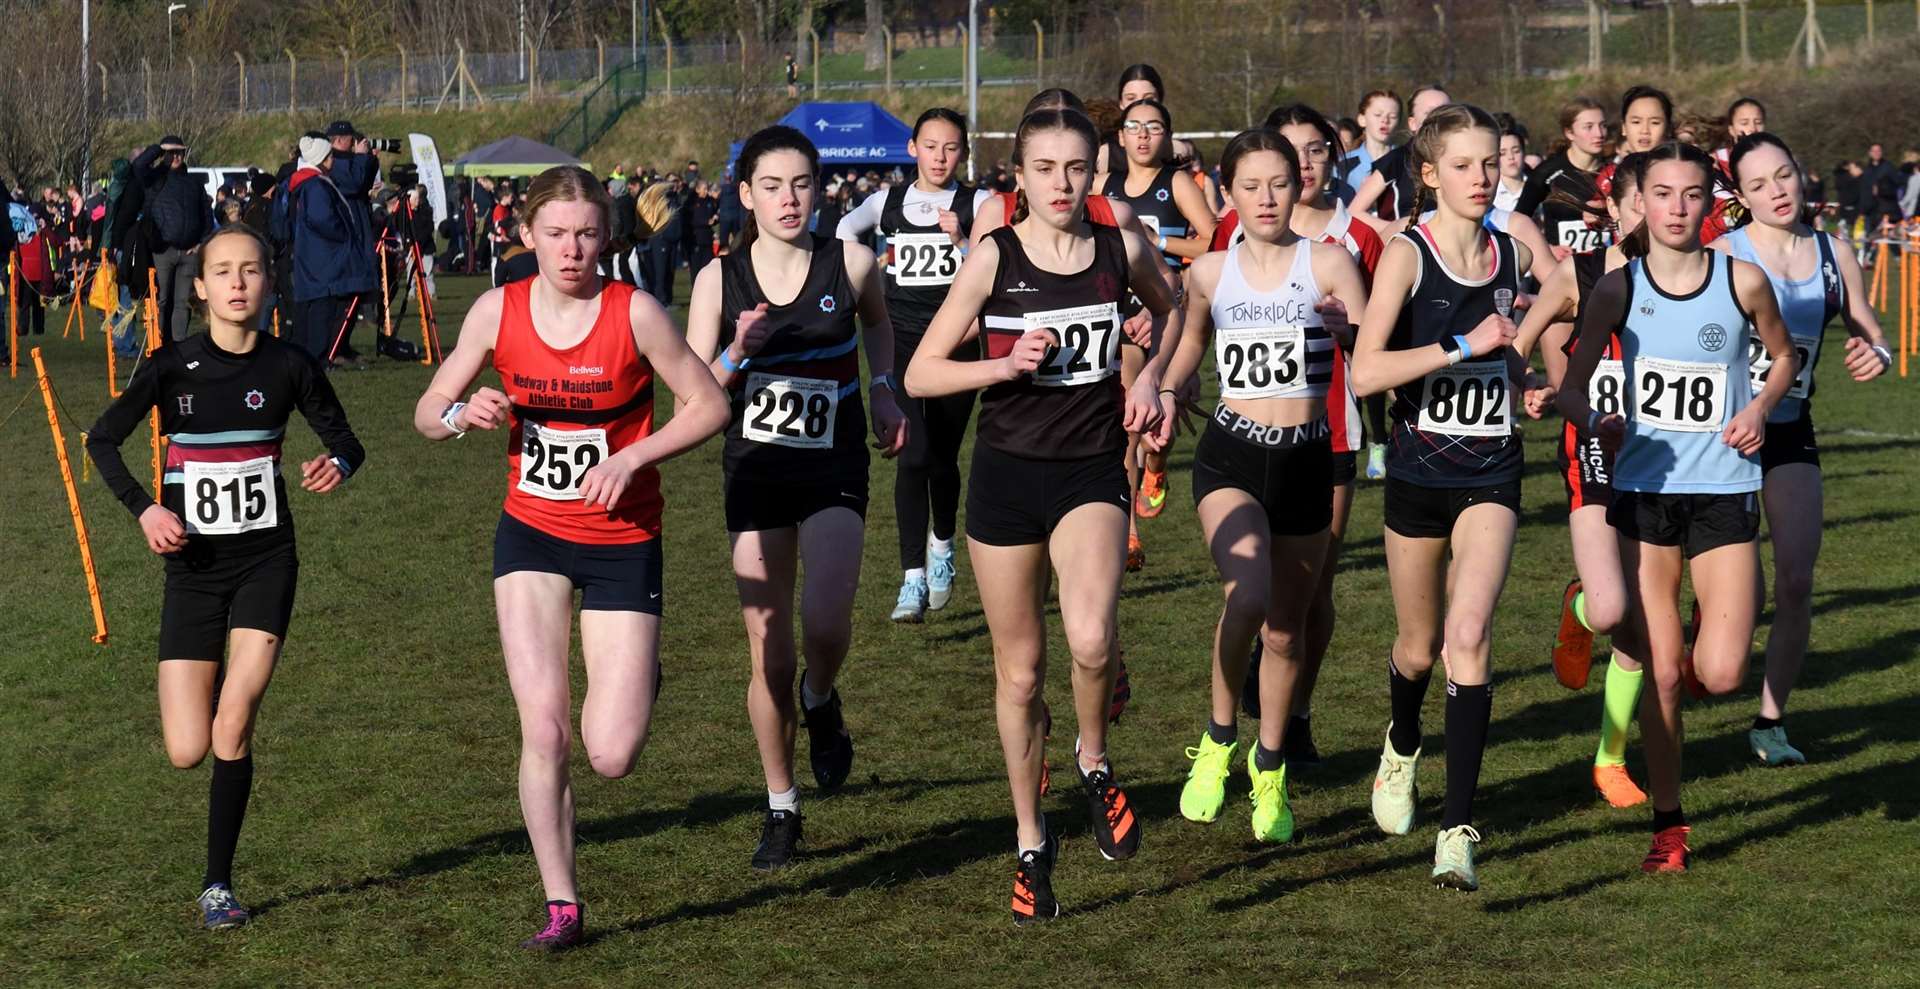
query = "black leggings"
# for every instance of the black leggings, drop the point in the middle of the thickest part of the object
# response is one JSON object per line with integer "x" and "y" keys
{"x": 928, "y": 480}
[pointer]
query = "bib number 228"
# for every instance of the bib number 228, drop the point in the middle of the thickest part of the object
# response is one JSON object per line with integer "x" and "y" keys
{"x": 791, "y": 412}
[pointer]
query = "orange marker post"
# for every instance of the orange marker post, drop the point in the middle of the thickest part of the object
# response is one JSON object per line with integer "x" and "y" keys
{"x": 13, "y": 318}
{"x": 1877, "y": 286}
{"x": 429, "y": 334}
{"x": 386, "y": 293}
{"x": 73, "y": 500}
{"x": 276, "y": 320}
{"x": 113, "y": 373}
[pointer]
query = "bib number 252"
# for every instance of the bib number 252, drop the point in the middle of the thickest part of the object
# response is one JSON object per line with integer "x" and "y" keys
{"x": 553, "y": 461}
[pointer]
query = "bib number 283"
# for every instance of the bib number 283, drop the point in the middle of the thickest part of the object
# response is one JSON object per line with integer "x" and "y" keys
{"x": 791, "y": 412}
{"x": 1467, "y": 400}
{"x": 1089, "y": 349}
{"x": 226, "y": 499}
{"x": 552, "y": 461}
{"x": 1261, "y": 362}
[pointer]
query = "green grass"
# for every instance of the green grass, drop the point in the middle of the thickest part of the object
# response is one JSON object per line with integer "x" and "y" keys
{"x": 384, "y": 845}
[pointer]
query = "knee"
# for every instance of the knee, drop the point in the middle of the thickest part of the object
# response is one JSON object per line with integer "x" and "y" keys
{"x": 616, "y": 761}
{"x": 1415, "y": 660}
{"x": 1280, "y": 643}
{"x": 546, "y": 739}
{"x": 1019, "y": 684}
{"x": 1722, "y": 678}
{"x": 231, "y": 734}
{"x": 829, "y": 638}
{"x": 1245, "y": 602}
{"x": 1090, "y": 642}
{"x": 187, "y": 754}
{"x": 1466, "y": 636}
{"x": 1665, "y": 677}
{"x": 1792, "y": 588}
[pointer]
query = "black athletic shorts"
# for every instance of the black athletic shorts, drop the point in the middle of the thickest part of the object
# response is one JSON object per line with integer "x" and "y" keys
{"x": 1346, "y": 467}
{"x": 1421, "y": 512}
{"x": 1585, "y": 469}
{"x": 1790, "y": 443}
{"x": 1014, "y": 501}
{"x": 212, "y": 588}
{"x": 754, "y": 506}
{"x": 609, "y": 577}
{"x": 1291, "y": 476}
{"x": 1694, "y": 522}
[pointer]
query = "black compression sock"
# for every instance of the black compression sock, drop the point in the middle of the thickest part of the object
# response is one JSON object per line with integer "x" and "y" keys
{"x": 1265, "y": 759}
{"x": 226, "y": 808}
{"x": 1664, "y": 819}
{"x": 1223, "y": 734}
{"x": 1469, "y": 710}
{"x": 1762, "y": 724}
{"x": 1405, "y": 697}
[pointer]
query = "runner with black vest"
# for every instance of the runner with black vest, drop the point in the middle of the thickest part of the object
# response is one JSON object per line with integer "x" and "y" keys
{"x": 1557, "y": 192}
{"x": 1048, "y": 489}
{"x": 795, "y": 464}
{"x": 222, "y": 523}
{"x": 926, "y": 224}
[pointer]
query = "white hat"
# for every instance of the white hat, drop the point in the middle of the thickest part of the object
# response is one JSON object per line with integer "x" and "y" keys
{"x": 314, "y": 150}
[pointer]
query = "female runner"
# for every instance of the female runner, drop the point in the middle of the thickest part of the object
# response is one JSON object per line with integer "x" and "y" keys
{"x": 1047, "y": 483}
{"x": 1379, "y": 115}
{"x": 795, "y": 470}
{"x": 1265, "y": 465}
{"x": 1646, "y": 119}
{"x": 1437, "y": 331}
{"x": 1688, "y": 436}
{"x": 1176, "y": 216}
{"x": 1319, "y": 216}
{"x": 1513, "y": 162}
{"x": 577, "y": 355}
{"x": 223, "y": 525}
{"x": 1595, "y": 601}
{"x": 1815, "y": 277}
{"x": 925, "y": 223}
{"x": 1565, "y": 178}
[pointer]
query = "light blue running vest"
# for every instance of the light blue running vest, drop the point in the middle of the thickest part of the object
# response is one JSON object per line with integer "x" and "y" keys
{"x": 1685, "y": 364}
{"x": 1807, "y": 306}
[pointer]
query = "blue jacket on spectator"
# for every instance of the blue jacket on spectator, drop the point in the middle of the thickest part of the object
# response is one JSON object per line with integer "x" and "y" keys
{"x": 332, "y": 253}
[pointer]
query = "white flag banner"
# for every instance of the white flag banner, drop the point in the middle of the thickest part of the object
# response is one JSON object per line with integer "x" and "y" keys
{"x": 427, "y": 158}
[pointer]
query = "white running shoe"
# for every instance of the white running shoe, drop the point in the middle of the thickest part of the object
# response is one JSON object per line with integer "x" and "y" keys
{"x": 1453, "y": 858}
{"x": 1394, "y": 792}
{"x": 911, "y": 605}
{"x": 940, "y": 573}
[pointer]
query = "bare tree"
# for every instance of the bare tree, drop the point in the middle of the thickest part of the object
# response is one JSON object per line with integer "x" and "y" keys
{"x": 876, "y": 38}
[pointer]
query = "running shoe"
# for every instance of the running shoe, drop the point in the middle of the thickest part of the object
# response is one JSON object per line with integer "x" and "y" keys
{"x": 1617, "y": 787}
{"x": 566, "y": 927}
{"x": 1136, "y": 553}
{"x": 911, "y": 605}
{"x": 1394, "y": 791}
{"x": 830, "y": 745}
{"x": 1272, "y": 817}
{"x": 1453, "y": 859}
{"x": 1669, "y": 852}
{"x": 1688, "y": 678}
{"x": 1572, "y": 646}
{"x": 1206, "y": 789}
{"x": 1770, "y": 746}
{"x": 1250, "y": 687}
{"x": 1152, "y": 496}
{"x": 219, "y": 911}
{"x": 940, "y": 574}
{"x": 1298, "y": 747}
{"x": 1376, "y": 461}
{"x": 1033, "y": 886}
{"x": 779, "y": 839}
{"x": 1115, "y": 828}
{"x": 1122, "y": 689}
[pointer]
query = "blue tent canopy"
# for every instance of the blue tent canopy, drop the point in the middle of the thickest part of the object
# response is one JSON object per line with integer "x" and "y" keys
{"x": 848, "y": 134}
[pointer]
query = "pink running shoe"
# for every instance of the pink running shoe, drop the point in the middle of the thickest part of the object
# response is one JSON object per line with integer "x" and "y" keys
{"x": 566, "y": 926}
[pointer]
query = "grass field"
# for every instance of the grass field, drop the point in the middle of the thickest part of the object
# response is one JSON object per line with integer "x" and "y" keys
{"x": 384, "y": 844}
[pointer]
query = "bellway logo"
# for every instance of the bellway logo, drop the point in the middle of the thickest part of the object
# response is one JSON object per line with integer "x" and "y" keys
{"x": 820, "y": 124}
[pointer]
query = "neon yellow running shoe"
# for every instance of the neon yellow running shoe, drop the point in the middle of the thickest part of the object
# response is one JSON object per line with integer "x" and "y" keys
{"x": 1272, "y": 817}
{"x": 1206, "y": 787}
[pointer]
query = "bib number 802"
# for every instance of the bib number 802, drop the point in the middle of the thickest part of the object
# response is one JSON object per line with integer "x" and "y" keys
{"x": 1467, "y": 400}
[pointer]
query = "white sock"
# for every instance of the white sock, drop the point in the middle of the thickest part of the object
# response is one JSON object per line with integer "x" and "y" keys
{"x": 918, "y": 575}
{"x": 938, "y": 546}
{"x": 811, "y": 699}
{"x": 1104, "y": 766}
{"x": 789, "y": 800}
{"x": 1022, "y": 849}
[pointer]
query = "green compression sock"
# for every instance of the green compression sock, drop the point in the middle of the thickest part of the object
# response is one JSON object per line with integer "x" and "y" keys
{"x": 1580, "y": 609}
{"x": 1616, "y": 713}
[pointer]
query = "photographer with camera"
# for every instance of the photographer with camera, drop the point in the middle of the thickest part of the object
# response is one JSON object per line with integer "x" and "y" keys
{"x": 354, "y": 170}
{"x": 332, "y": 249}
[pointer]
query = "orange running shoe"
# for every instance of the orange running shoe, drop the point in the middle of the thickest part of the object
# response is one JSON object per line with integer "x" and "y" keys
{"x": 1136, "y": 553}
{"x": 1688, "y": 678}
{"x": 1669, "y": 852}
{"x": 1617, "y": 787}
{"x": 1122, "y": 691}
{"x": 1573, "y": 645}
{"x": 1152, "y": 496}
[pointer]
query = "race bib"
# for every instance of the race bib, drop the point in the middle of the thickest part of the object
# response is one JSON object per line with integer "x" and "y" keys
{"x": 1684, "y": 396}
{"x": 1089, "y": 349}
{"x": 1152, "y": 223}
{"x": 1467, "y": 400}
{"x": 1579, "y": 238}
{"x": 1806, "y": 349}
{"x": 921, "y": 259}
{"x": 226, "y": 499}
{"x": 552, "y": 461}
{"x": 1261, "y": 361}
{"x": 1607, "y": 389}
{"x": 791, "y": 412}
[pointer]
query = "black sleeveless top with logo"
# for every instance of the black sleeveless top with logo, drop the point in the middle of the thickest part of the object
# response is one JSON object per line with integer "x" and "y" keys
{"x": 1454, "y": 428}
{"x": 797, "y": 409}
{"x": 921, "y": 259}
{"x": 1072, "y": 406}
{"x": 1155, "y": 207}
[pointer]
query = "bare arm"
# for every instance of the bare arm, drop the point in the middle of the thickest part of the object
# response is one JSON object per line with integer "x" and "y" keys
{"x": 1192, "y": 203}
{"x": 933, "y": 371}
{"x": 876, "y": 336}
{"x": 1363, "y": 199}
{"x": 991, "y": 216}
{"x": 1196, "y": 329}
{"x": 1558, "y": 298}
{"x": 1605, "y": 312}
{"x": 488, "y": 407}
{"x": 1538, "y": 257}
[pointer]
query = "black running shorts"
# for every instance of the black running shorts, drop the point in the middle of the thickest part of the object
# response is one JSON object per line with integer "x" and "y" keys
{"x": 1694, "y": 522}
{"x": 1790, "y": 443}
{"x": 755, "y": 506}
{"x": 609, "y": 577}
{"x": 1421, "y": 512}
{"x": 1014, "y": 501}
{"x": 212, "y": 588}
{"x": 1292, "y": 482}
